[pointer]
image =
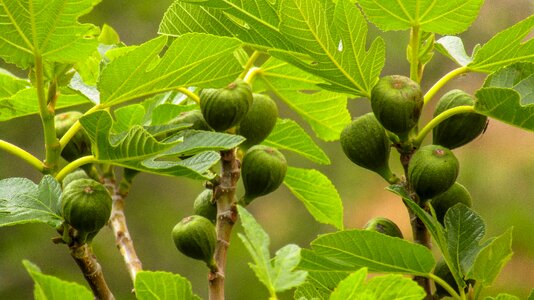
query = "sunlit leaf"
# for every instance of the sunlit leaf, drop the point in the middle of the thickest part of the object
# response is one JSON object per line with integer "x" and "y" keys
{"x": 48, "y": 287}
{"x": 503, "y": 296}
{"x": 48, "y": 29}
{"x": 443, "y": 17}
{"x": 353, "y": 249}
{"x": 191, "y": 60}
{"x": 317, "y": 193}
{"x": 288, "y": 135}
{"x": 22, "y": 201}
{"x": 453, "y": 47}
{"x": 319, "y": 285}
{"x": 162, "y": 286}
{"x": 277, "y": 274}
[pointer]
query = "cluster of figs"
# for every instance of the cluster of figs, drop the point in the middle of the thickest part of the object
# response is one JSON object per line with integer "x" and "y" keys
{"x": 234, "y": 108}
{"x": 432, "y": 170}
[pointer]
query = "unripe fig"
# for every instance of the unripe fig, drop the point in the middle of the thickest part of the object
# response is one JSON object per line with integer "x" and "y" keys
{"x": 397, "y": 102}
{"x": 460, "y": 129}
{"x": 86, "y": 205}
{"x": 457, "y": 193}
{"x": 366, "y": 144}
{"x": 259, "y": 121}
{"x": 79, "y": 145}
{"x": 195, "y": 237}
{"x": 225, "y": 108}
{"x": 432, "y": 170}
{"x": 385, "y": 226}
{"x": 205, "y": 206}
{"x": 263, "y": 171}
{"x": 78, "y": 174}
{"x": 194, "y": 117}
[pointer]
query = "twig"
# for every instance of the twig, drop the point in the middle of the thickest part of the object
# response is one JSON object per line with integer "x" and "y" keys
{"x": 224, "y": 194}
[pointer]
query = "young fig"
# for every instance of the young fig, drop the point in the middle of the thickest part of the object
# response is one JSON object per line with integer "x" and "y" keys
{"x": 86, "y": 206}
{"x": 79, "y": 145}
{"x": 385, "y": 226}
{"x": 397, "y": 102}
{"x": 193, "y": 117}
{"x": 365, "y": 143}
{"x": 457, "y": 193}
{"x": 195, "y": 237}
{"x": 225, "y": 108}
{"x": 78, "y": 174}
{"x": 259, "y": 121}
{"x": 205, "y": 206}
{"x": 263, "y": 171}
{"x": 460, "y": 129}
{"x": 432, "y": 170}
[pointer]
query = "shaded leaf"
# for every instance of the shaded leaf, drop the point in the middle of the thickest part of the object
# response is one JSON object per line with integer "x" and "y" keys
{"x": 191, "y": 60}
{"x": 277, "y": 274}
{"x": 48, "y": 287}
{"x": 453, "y": 47}
{"x": 502, "y": 297}
{"x": 317, "y": 193}
{"x": 354, "y": 249}
{"x": 162, "y": 285}
{"x": 335, "y": 39}
{"x": 288, "y": 135}
{"x": 48, "y": 29}
{"x": 443, "y": 17}
{"x": 319, "y": 285}
{"x": 505, "y": 48}
{"x": 491, "y": 259}
{"x": 507, "y": 96}
{"x": 22, "y": 201}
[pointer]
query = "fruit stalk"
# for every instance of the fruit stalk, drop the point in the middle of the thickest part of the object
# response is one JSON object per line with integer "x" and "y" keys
{"x": 117, "y": 222}
{"x": 91, "y": 269}
{"x": 224, "y": 195}
{"x": 23, "y": 154}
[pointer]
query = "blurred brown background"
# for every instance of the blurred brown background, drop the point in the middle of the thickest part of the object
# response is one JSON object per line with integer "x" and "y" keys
{"x": 497, "y": 168}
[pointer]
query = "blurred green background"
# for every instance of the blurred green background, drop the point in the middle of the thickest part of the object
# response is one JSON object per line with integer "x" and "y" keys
{"x": 498, "y": 169}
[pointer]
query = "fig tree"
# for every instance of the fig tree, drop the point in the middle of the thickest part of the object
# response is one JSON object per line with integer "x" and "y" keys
{"x": 385, "y": 226}
{"x": 457, "y": 193}
{"x": 259, "y": 121}
{"x": 195, "y": 237}
{"x": 263, "y": 171}
{"x": 225, "y": 108}
{"x": 432, "y": 170}
{"x": 460, "y": 129}
{"x": 365, "y": 143}
{"x": 397, "y": 102}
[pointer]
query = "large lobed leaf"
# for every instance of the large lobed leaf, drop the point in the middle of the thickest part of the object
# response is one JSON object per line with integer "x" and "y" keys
{"x": 277, "y": 274}
{"x": 45, "y": 28}
{"x": 317, "y": 193}
{"x": 22, "y": 201}
{"x": 48, "y": 287}
{"x": 162, "y": 286}
{"x": 443, "y": 17}
{"x": 354, "y": 249}
{"x": 334, "y": 36}
{"x": 191, "y": 60}
{"x": 319, "y": 285}
{"x": 507, "y": 95}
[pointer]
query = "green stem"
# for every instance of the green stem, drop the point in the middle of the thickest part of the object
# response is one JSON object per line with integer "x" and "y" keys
{"x": 52, "y": 146}
{"x": 438, "y": 85}
{"x": 74, "y": 165}
{"x": 414, "y": 58}
{"x": 446, "y": 286}
{"x": 23, "y": 154}
{"x": 440, "y": 118}
{"x": 189, "y": 94}
{"x": 250, "y": 63}
{"x": 478, "y": 290}
{"x": 251, "y": 74}
{"x": 75, "y": 127}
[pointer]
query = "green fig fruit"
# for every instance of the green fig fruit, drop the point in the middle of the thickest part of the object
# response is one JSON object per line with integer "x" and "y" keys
{"x": 385, "y": 226}
{"x": 263, "y": 171}
{"x": 457, "y": 193}
{"x": 86, "y": 206}
{"x": 193, "y": 117}
{"x": 79, "y": 145}
{"x": 205, "y": 206}
{"x": 365, "y": 143}
{"x": 432, "y": 170}
{"x": 225, "y": 108}
{"x": 78, "y": 174}
{"x": 259, "y": 121}
{"x": 460, "y": 129}
{"x": 195, "y": 237}
{"x": 397, "y": 102}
